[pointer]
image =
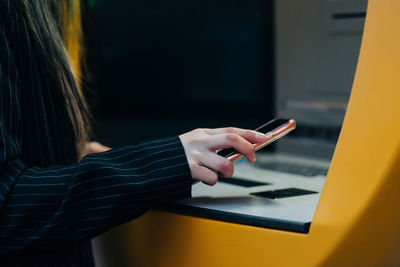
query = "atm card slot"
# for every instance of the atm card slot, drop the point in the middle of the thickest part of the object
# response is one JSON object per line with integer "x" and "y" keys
{"x": 283, "y": 193}
{"x": 349, "y": 15}
{"x": 241, "y": 182}
{"x": 294, "y": 168}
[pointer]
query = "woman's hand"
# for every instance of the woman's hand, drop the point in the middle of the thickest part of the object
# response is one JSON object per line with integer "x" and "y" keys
{"x": 201, "y": 145}
{"x": 93, "y": 147}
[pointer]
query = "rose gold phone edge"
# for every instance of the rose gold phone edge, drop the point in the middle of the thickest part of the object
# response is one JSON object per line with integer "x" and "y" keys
{"x": 290, "y": 126}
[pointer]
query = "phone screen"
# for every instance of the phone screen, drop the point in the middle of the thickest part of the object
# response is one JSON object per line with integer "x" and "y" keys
{"x": 269, "y": 127}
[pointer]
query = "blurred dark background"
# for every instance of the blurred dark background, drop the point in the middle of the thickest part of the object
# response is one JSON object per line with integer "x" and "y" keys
{"x": 161, "y": 68}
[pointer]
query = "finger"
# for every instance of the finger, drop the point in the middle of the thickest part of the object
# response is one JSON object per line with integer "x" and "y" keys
{"x": 250, "y": 135}
{"x": 218, "y": 164}
{"x": 204, "y": 174}
{"x": 235, "y": 141}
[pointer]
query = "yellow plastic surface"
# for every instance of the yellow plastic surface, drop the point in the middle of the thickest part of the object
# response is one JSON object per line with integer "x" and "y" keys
{"x": 357, "y": 222}
{"x": 72, "y": 34}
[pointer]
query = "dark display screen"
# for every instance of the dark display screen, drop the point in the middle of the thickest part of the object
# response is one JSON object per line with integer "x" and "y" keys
{"x": 181, "y": 55}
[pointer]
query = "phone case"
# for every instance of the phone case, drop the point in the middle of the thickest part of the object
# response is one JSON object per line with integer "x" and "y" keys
{"x": 272, "y": 136}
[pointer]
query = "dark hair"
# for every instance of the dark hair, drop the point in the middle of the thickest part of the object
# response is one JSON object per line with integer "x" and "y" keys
{"x": 57, "y": 33}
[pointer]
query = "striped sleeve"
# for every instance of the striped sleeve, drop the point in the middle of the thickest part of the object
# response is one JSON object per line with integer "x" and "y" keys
{"x": 60, "y": 205}
{"x": 47, "y": 207}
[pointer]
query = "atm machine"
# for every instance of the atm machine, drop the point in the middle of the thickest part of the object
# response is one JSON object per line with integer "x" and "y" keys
{"x": 354, "y": 216}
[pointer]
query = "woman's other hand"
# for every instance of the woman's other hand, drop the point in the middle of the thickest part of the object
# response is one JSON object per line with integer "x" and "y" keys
{"x": 93, "y": 147}
{"x": 201, "y": 146}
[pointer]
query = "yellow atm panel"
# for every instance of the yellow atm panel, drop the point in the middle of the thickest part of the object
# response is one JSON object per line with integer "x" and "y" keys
{"x": 357, "y": 222}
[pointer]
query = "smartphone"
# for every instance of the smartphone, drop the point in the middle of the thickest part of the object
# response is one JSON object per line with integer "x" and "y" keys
{"x": 273, "y": 129}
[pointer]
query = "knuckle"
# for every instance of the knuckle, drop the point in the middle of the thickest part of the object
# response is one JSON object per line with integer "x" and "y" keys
{"x": 231, "y": 137}
{"x": 193, "y": 165}
{"x": 250, "y": 148}
{"x": 222, "y": 166}
{"x": 248, "y": 134}
{"x": 225, "y": 165}
{"x": 251, "y": 134}
{"x": 230, "y": 129}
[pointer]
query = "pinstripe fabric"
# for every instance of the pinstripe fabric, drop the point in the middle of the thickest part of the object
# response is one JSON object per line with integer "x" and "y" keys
{"x": 50, "y": 205}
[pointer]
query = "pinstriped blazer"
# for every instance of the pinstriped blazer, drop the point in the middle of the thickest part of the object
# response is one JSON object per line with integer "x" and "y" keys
{"x": 51, "y": 205}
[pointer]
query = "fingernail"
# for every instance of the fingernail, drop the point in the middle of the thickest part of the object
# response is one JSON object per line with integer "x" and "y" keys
{"x": 260, "y": 137}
